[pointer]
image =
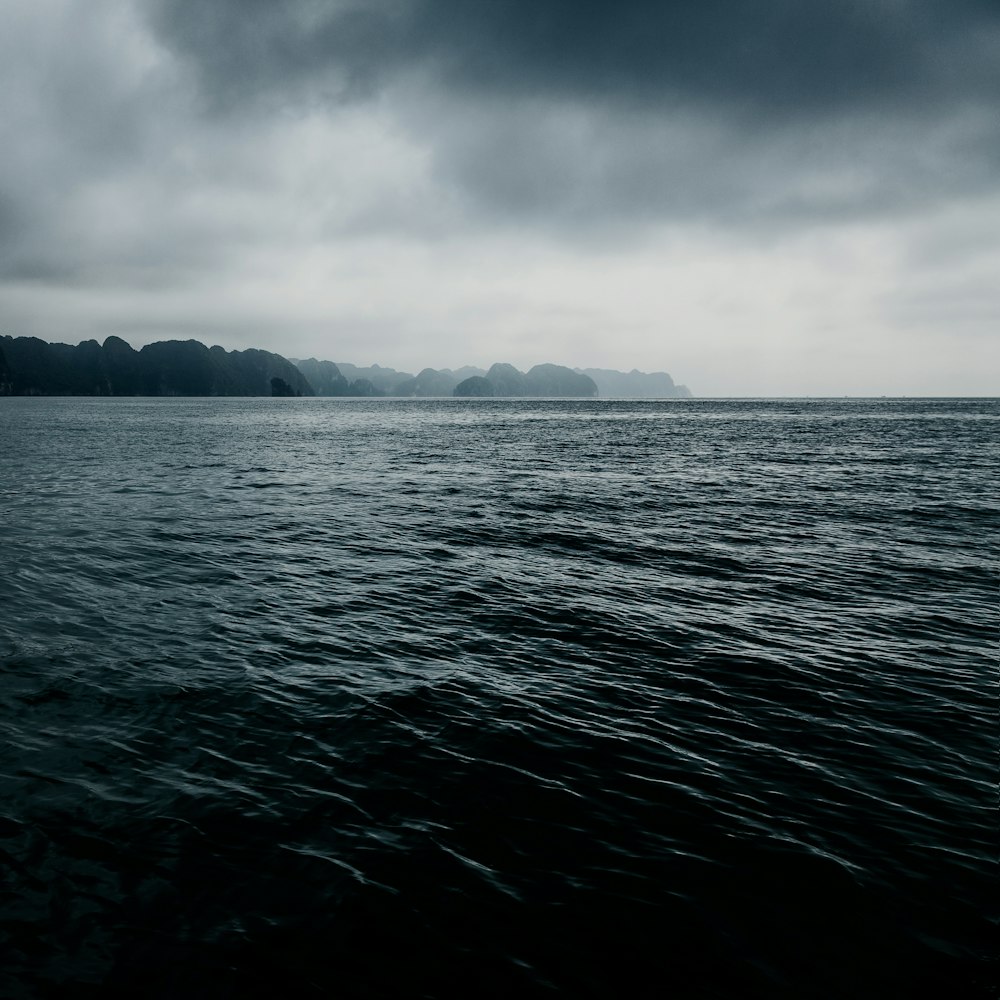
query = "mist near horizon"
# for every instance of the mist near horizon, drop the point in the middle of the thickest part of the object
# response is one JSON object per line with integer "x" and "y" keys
{"x": 31, "y": 367}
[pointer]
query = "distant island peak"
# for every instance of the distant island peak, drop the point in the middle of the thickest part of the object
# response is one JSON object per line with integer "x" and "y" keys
{"x": 33, "y": 367}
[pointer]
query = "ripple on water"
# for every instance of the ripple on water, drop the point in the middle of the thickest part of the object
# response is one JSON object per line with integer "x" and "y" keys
{"x": 395, "y": 698}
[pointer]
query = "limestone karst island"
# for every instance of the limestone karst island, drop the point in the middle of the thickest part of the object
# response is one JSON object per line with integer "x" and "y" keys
{"x": 33, "y": 367}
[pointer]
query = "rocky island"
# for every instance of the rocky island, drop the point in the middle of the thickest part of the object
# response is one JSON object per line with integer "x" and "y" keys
{"x": 32, "y": 367}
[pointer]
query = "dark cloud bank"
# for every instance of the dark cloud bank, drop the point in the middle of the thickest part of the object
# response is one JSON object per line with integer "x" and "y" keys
{"x": 166, "y": 159}
{"x": 771, "y": 59}
{"x": 697, "y": 107}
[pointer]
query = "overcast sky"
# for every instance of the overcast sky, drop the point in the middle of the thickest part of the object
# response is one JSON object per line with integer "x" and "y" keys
{"x": 776, "y": 197}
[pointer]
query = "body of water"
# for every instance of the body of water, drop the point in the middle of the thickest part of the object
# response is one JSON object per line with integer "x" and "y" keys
{"x": 498, "y": 698}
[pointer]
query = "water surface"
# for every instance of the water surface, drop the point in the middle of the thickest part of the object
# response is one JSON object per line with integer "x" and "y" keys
{"x": 414, "y": 698}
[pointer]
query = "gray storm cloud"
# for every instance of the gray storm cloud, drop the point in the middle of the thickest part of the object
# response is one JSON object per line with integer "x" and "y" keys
{"x": 578, "y": 179}
{"x": 685, "y": 108}
{"x": 772, "y": 59}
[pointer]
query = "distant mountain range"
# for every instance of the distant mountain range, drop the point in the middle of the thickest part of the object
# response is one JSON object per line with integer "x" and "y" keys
{"x": 32, "y": 367}
{"x": 635, "y": 384}
{"x": 542, "y": 380}
{"x": 343, "y": 379}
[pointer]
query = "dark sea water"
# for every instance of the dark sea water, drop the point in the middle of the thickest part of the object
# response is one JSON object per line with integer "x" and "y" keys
{"x": 498, "y": 699}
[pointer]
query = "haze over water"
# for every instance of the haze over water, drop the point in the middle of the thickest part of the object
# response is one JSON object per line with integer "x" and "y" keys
{"x": 421, "y": 698}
